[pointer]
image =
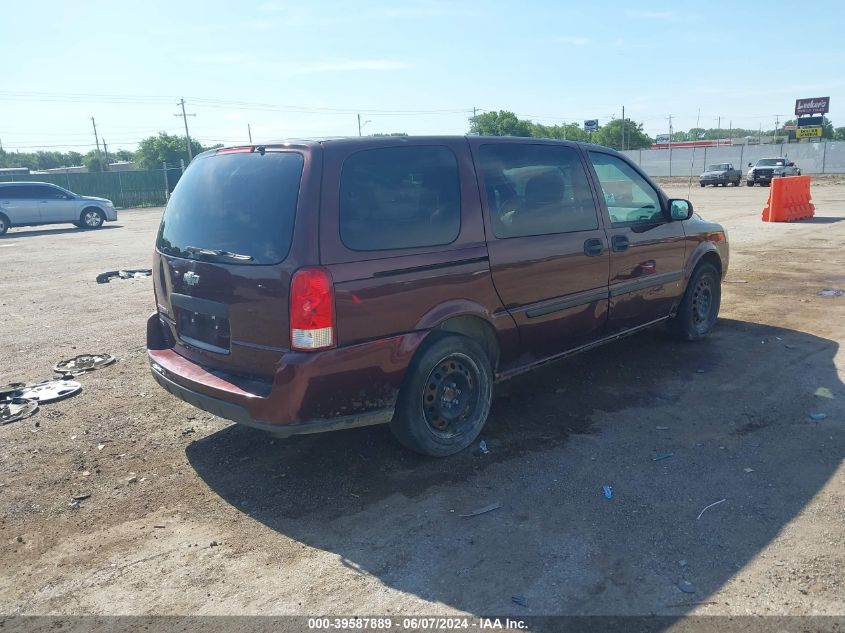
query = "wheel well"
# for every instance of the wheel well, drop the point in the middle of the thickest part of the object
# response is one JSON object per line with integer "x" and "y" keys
{"x": 6, "y": 217}
{"x": 711, "y": 258}
{"x": 476, "y": 328}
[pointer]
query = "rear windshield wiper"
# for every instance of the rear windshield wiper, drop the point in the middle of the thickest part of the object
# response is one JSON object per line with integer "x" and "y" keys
{"x": 213, "y": 252}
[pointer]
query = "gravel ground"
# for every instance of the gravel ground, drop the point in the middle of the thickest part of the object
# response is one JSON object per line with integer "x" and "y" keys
{"x": 188, "y": 514}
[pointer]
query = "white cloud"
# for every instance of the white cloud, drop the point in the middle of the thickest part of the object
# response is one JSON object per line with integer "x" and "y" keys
{"x": 652, "y": 15}
{"x": 351, "y": 65}
{"x": 573, "y": 40}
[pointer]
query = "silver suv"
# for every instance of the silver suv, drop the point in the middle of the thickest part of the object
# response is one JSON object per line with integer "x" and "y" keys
{"x": 34, "y": 203}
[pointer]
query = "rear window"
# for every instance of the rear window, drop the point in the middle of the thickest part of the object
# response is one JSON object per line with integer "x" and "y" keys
{"x": 235, "y": 208}
{"x": 400, "y": 197}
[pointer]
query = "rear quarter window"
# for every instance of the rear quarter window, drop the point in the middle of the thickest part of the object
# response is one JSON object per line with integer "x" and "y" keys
{"x": 399, "y": 197}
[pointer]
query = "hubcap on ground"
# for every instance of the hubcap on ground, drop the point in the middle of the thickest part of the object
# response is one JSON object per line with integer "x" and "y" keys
{"x": 92, "y": 219}
{"x": 702, "y": 302}
{"x": 451, "y": 395}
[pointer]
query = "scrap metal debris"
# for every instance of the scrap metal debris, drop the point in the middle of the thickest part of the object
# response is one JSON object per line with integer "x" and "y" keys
{"x": 485, "y": 509}
{"x": 16, "y": 409}
{"x": 818, "y": 417}
{"x": 50, "y": 391}
{"x": 710, "y": 506}
{"x": 9, "y": 391}
{"x": 608, "y": 491}
{"x": 831, "y": 292}
{"x": 138, "y": 273}
{"x": 83, "y": 362}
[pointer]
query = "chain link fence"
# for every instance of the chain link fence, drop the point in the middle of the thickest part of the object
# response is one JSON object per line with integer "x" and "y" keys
{"x": 811, "y": 158}
{"x": 124, "y": 188}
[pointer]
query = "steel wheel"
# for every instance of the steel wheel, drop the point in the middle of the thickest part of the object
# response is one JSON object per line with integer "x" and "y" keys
{"x": 445, "y": 397}
{"x": 451, "y": 395}
{"x": 702, "y": 304}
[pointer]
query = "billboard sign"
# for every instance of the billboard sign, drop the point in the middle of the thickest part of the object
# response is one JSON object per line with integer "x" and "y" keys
{"x": 808, "y": 132}
{"x": 815, "y": 105}
{"x": 810, "y": 121}
{"x": 661, "y": 139}
{"x": 591, "y": 125}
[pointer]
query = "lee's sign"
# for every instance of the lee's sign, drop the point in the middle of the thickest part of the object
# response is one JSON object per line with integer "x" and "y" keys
{"x": 816, "y": 105}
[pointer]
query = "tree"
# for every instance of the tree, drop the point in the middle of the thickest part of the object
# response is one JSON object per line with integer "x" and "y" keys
{"x": 164, "y": 148}
{"x": 124, "y": 154}
{"x": 839, "y": 134}
{"x": 567, "y": 131}
{"x": 611, "y": 135}
{"x": 92, "y": 161}
{"x": 501, "y": 123}
{"x": 828, "y": 130}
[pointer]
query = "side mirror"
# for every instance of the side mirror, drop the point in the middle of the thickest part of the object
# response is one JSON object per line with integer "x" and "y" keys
{"x": 680, "y": 209}
{"x": 749, "y": 164}
{"x": 792, "y": 164}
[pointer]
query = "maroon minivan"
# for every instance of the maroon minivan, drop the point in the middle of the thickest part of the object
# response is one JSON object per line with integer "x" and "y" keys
{"x": 317, "y": 285}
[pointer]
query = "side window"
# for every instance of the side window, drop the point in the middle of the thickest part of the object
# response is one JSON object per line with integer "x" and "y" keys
{"x": 628, "y": 195}
{"x": 400, "y": 197}
{"x": 18, "y": 192}
{"x": 43, "y": 192}
{"x": 536, "y": 190}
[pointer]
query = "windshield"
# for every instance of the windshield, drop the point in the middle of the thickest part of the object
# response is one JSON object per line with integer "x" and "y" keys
{"x": 719, "y": 167}
{"x": 237, "y": 208}
{"x": 771, "y": 162}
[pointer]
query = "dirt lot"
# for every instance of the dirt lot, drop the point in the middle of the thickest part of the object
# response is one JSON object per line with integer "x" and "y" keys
{"x": 225, "y": 520}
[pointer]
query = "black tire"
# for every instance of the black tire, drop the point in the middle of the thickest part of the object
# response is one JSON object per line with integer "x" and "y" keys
{"x": 749, "y": 183}
{"x": 91, "y": 218}
{"x": 4, "y": 224}
{"x": 703, "y": 185}
{"x": 446, "y": 396}
{"x": 700, "y": 306}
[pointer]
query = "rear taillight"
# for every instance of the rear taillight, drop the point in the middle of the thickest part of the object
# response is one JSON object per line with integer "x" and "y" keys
{"x": 312, "y": 321}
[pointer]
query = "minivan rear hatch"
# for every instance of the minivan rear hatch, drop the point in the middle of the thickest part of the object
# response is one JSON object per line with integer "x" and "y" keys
{"x": 221, "y": 283}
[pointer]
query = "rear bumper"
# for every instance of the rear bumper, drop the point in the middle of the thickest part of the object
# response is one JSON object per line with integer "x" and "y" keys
{"x": 310, "y": 392}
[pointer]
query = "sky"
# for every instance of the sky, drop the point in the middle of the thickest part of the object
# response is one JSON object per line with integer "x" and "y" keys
{"x": 307, "y": 68}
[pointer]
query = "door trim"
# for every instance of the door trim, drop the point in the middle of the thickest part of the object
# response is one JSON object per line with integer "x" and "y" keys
{"x": 634, "y": 285}
{"x": 580, "y": 299}
{"x": 505, "y": 375}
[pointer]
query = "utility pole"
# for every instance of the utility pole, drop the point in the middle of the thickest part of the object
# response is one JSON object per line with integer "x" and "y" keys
{"x": 96, "y": 139}
{"x": 185, "y": 119}
{"x": 105, "y": 165}
{"x": 719, "y": 124}
{"x": 362, "y": 124}
{"x": 249, "y": 130}
{"x": 623, "y": 128}
{"x": 670, "y": 145}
